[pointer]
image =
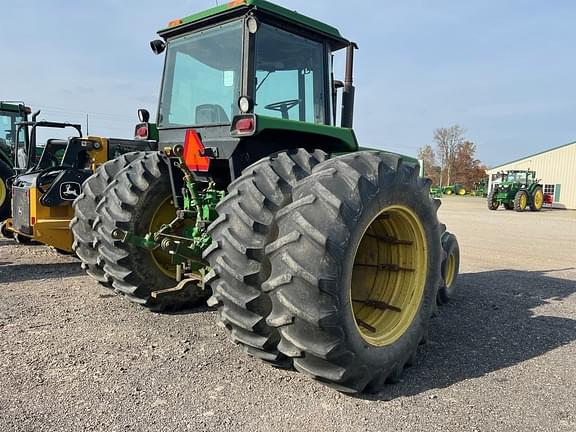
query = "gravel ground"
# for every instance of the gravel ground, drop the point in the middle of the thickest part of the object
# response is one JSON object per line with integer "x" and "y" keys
{"x": 73, "y": 356}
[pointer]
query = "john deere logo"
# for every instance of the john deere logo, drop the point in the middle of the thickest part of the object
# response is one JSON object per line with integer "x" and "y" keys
{"x": 70, "y": 191}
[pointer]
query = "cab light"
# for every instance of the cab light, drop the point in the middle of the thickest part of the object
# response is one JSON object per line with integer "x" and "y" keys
{"x": 236, "y": 3}
{"x": 174, "y": 23}
{"x": 33, "y": 220}
{"x": 194, "y": 152}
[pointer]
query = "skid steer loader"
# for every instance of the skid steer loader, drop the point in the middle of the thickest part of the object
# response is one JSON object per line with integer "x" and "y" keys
{"x": 49, "y": 178}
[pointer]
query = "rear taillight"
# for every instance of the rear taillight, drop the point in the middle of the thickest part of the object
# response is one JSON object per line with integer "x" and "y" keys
{"x": 245, "y": 125}
{"x": 194, "y": 152}
{"x": 142, "y": 132}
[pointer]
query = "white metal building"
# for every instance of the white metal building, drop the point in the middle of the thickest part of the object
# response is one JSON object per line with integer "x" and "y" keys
{"x": 557, "y": 169}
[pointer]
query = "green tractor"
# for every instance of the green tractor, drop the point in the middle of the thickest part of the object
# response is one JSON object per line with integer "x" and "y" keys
{"x": 455, "y": 189}
{"x": 481, "y": 188}
{"x": 516, "y": 190}
{"x": 318, "y": 255}
{"x": 436, "y": 191}
{"x": 11, "y": 114}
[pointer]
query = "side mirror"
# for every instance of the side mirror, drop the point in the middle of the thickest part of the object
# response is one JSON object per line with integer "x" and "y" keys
{"x": 158, "y": 46}
{"x": 143, "y": 115}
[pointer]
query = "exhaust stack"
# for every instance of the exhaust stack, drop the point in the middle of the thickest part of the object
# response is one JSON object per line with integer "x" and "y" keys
{"x": 347, "y": 117}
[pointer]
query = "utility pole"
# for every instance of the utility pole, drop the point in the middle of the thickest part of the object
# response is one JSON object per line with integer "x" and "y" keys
{"x": 87, "y": 130}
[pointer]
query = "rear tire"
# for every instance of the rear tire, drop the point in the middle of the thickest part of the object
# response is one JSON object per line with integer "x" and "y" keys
{"x": 537, "y": 200}
{"x": 343, "y": 221}
{"x": 131, "y": 203}
{"x": 450, "y": 267}
{"x": 245, "y": 226}
{"x": 85, "y": 243}
{"x": 5, "y": 173}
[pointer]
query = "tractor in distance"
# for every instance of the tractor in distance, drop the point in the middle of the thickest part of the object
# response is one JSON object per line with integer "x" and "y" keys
{"x": 516, "y": 190}
{"x": 481, "y": 188}
{"x": 49, "y": 178}
{"x": 11, "y": 113}
{"x": 319, "y": 255}
{"x": 454, "y": 189}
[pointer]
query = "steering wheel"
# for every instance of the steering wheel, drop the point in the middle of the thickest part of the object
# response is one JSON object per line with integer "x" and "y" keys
{"x": 283, "y": 106}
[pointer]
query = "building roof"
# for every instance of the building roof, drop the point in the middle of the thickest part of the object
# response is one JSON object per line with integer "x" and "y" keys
{"x": 258, "y": 4}
{"x": 533, "y": 155}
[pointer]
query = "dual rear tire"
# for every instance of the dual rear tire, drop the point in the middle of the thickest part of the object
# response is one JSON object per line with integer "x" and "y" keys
{"x": 85, "y": 223}
{"x": 329, "y": 266}
{"x": 354, "y": 268}
{"x": 131, "y": 193}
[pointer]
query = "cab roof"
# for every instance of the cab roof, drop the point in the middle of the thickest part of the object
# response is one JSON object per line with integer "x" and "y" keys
{"x": 239, "y": 7}
{"x": 11, "y": 106}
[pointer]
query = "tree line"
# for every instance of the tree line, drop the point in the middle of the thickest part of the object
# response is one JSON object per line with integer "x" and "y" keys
{"x": 452, "y": 159}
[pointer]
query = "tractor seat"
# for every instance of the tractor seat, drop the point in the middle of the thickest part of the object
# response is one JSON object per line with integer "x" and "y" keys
{"x": 211, "y": 114}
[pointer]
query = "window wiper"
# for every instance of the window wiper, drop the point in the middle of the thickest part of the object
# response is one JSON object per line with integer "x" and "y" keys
{"x": 264, "y": 80}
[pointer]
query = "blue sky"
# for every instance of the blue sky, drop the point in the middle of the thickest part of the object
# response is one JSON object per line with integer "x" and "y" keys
{"x": 503, "y": 70}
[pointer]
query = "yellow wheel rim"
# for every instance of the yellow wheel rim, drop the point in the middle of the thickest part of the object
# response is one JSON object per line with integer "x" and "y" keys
{"x": 448, "y": 192}
{"x": 3, "y": 191}
{"x": 164, "y": 214}
{"x": 389, "y": 277}
{"x": 523, "y": 201}
{"x": 538, "y": 199}
{"x": 450, "y": 270}
{"x": 462, "y": 192}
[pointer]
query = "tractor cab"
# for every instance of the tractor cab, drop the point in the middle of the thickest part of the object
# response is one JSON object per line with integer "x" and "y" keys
{"x": 11, "y": 114}
{"x": 521, "y": 177}
{"x": 252, "y": 78}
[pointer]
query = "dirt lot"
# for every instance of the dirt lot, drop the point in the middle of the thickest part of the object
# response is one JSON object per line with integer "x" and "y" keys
{"x": 73, "y": 356}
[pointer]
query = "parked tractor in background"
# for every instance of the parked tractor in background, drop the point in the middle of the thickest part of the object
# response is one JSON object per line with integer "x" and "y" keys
{"x": 455, "y": 189}
{"x": 481, "y": 188}
{"x": 436, "y": 192}
{"x": 11, "y": 113}
{"x": 49, "y": 178}
{"x": 317, "y": 254}
{"x": 516, "y": 190}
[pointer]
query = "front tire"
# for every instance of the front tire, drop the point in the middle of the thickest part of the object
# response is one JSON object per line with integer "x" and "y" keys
{"x": 450, "y": 267}
{"x": 520, "y": 201}
{"x": 355, "y": 270}
{"x": 491, "y": 202}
